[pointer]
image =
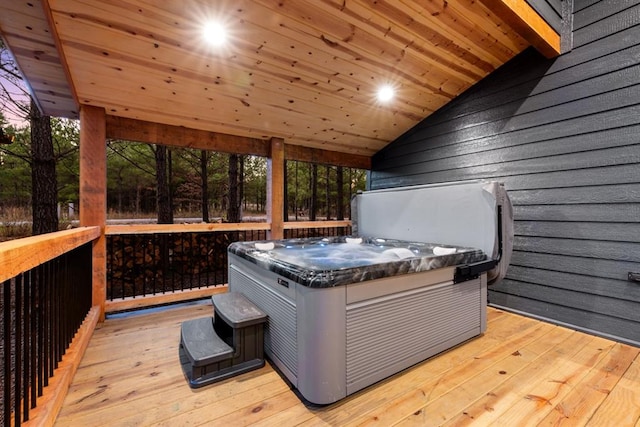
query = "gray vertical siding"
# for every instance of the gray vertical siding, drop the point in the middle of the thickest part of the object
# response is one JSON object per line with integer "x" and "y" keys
{"x": 564, "y": 137}
{"x": 550, "y": 10}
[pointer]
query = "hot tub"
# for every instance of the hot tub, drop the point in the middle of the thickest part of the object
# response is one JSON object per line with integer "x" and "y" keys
{"x": 346, "y": 312}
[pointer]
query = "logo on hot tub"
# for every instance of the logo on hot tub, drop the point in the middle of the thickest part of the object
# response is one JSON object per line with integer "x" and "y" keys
{"x": 283, "y": 282}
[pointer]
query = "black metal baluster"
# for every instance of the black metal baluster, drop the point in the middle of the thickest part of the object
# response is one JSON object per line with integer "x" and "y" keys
{"x": 154, "y": 269}
{"x": 57, "y": 317}
{"x": 49, "y": 328}
{"x": 44, "y": 328}
{"x": 34, "y": 338}
{"x": 143, "y": 268}
{"x": 182, "y": 269}
{"x": 197, "y": 254}
{"x": 7, "y": 352}
{"x": 201, "y": 241}
{"x": 68, "y": 308}
{"x": 27, "y": 347}
{"x": 40, "y": 327}
{"x": 123, "y": 266}
{"x": 171, "y": 268}
{"x": 206, "y": 259}
{"x": 18, "y": 350}
{"x": 109, "y": 266}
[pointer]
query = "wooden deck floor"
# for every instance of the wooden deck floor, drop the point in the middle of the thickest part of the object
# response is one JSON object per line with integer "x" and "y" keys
{"x": 521, "y": 372}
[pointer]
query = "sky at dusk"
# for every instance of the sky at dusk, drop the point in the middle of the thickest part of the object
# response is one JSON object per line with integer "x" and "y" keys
{"x": 8, "y": 109}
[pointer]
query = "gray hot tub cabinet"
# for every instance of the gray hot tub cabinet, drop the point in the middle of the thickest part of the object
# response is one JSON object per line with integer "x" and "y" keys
{"x": 333, "y": 341}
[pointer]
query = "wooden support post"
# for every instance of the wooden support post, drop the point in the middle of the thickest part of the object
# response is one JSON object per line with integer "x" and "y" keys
{"x": 275, "y": 189}
{"x": 93, "y": 193}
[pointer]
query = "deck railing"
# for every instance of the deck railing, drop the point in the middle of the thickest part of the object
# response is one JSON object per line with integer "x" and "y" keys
{"x": 45, "y": 300}
{"x": 155, "y": 264}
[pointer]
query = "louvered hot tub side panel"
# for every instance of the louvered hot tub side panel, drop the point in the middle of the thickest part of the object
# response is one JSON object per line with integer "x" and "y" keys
{"x": 387, "y": 334}
{"x": 280, "y": 339}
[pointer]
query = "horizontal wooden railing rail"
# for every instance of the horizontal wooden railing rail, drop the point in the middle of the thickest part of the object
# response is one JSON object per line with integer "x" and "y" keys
{"x": 156, "y": 264}
{"x": 294, "y": 225}
{"x": 224, "y": 226}
{"x": 185, "y": 228}
{"x": 48, "y": 319}
{"x": 17, "y": 256}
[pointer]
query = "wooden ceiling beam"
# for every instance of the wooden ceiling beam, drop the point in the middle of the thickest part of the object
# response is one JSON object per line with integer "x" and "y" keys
{"x": 315, "y": 155}
{"x": 528, "y": 23}
{"x": 178, "y": 136}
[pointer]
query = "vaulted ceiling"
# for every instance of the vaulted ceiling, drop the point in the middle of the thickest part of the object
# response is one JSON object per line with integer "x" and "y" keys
{"x": 306, "y": 71}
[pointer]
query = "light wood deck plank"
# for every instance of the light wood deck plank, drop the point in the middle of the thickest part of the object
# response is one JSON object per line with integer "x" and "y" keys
{"x": 544, "y": 381}
{"x": 520, "y": 371}
{"x": 436, "y": 401}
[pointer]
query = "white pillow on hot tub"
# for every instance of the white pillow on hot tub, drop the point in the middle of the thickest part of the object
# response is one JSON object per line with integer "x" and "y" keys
{"x": 439, "y": 250}
{"x": 266, "y": 246}
{"x": 401, "y": 253}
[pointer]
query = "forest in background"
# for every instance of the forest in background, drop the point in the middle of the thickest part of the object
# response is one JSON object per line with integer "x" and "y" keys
{"x": 211, "y": 186}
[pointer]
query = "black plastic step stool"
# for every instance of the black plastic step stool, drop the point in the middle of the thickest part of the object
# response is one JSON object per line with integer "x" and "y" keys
{"x": 229, "y": 343}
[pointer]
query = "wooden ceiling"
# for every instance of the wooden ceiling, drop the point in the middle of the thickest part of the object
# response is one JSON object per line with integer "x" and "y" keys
{"x": 306, "y": 71}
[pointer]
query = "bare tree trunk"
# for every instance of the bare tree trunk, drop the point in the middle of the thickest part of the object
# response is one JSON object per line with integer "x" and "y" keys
{"x": 43, "y": 174}
{"x": 350, "y": 192}
{"x": 286, "y": 191}
{"x": 205, "y": 187}
{"x": 233, "y": 210}
{"x": 170, "y": 180}
{"x": 340, "y": 194}
{"x": 327, "y": 196}
{"x": 314, "y": 192}
{"x": 241, "y": 186}
{"x": 295, "y": 194}
{"x": 119, "y": 191}
{"x": 165, "y": 214}
{"x": 138, "y": 198}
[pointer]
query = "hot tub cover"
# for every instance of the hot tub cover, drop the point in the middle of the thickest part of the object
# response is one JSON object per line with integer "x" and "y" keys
{"x": 334, "y": 261}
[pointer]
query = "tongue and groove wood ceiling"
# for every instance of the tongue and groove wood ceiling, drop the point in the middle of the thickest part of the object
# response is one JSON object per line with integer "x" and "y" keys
{"x": 306, "y": 71}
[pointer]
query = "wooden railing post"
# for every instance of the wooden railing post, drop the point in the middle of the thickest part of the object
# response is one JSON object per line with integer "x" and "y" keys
{"x": 93, "y": 192}
{"x": 275, "y": 189}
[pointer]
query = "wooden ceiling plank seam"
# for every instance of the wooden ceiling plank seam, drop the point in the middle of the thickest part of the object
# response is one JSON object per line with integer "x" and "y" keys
{"x": 364, "y": 81}
{"x": 490, "y": 23}
{"x": 465, "y": 43}
{"x": 173, "y": 94}
{"x": 92, "y": 71}
{"x": 442, "y": 59}
{"x": 132, "y": 29}
{"x": 477, "y": 17}
{"x": 431, "y": 58}
{"x": 285, "y": 79}
{"x": 414, "y": 27}
{"x": 487, "y": 47}
{"x": 526, "y": 21}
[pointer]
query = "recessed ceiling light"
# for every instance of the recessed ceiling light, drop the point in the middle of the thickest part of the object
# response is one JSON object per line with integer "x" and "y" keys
{"x": 385, "y": 93}
{"x": 214, "y": 33}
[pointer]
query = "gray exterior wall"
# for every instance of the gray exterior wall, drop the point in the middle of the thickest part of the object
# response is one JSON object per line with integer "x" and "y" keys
{"x": 564, "y": 137}
{"x": 550, "y": 10}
